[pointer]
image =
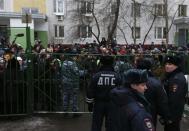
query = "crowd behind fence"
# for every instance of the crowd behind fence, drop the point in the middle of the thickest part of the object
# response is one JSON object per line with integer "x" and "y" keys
{"x": 46, "y": 78}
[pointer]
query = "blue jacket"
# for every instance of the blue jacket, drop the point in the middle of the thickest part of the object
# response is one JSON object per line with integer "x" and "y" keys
{"x": 128, "y": 114}
{"x": 157, "y": 98}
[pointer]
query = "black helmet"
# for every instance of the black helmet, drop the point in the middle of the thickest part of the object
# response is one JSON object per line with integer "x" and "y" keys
{"x": 107, "y": 60}
{"x": 135, "y": 76}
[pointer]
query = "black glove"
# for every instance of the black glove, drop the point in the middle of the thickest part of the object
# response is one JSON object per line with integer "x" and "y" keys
{"x": 164, "y": 121}
{"x": 90, "y": 107}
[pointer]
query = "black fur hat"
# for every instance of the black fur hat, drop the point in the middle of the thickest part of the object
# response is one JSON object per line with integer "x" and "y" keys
{"x": 135, "y": 76}
{"x": 173, "y": 59}
{"x": 107, "y": 60}
{"x": 144, "y": 63}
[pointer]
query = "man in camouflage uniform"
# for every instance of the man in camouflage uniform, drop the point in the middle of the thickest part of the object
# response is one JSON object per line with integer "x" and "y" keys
{"x": 70, "y": 82}
{"x": 121, "y": 66}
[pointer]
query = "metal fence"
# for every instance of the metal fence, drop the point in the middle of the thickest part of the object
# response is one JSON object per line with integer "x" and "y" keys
{"x": 36, "y": 84}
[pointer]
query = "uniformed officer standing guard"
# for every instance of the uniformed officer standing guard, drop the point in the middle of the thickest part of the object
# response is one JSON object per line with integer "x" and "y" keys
{"x": 176, "y": 88}
{"x": 98, "y": 93}
{"x": 129, "y": 112}
{"x": 155, "y": 93}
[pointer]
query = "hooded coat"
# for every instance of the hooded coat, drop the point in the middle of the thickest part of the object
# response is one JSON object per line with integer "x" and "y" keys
{"x": 129, "y": 112}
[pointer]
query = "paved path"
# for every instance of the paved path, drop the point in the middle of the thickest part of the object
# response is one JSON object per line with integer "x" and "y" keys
{"x": 58, "y": 122}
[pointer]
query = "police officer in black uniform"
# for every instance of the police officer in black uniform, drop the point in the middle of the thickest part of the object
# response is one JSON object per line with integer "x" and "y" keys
{"x": 155, "y": 92}
{"x": 176, "y": 88}
{"x": 129, "y": 112}
{"x": 98, "y": 92}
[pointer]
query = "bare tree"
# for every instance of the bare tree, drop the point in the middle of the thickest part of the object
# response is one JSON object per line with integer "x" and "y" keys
{"x": 151, "y": 12}
{"x": 123, "y": 33}
{"x": 97, "y": 36}
{"x": 123, "y": 20}
{"x": 114, "y": 25}
{"x": 134, "y": 23}
{"x": 100, "y": 15}
{"x": 146, "y": 35}
{"x": 105, "y": 24}
{"x": 146, "y": 10}
{"x": 166, "y": 20}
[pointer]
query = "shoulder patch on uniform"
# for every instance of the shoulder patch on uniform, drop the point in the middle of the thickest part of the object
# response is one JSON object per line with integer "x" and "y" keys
{"x": 140, "y": 104}
{"x": 148, "y": 124}
{"x": 174, "y": 87}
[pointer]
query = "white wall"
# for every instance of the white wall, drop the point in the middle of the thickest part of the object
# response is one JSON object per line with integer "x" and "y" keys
{"x": 41, "y": 26}
{"x": 18, "y": 23}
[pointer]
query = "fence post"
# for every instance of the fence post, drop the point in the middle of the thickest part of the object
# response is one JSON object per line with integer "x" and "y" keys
{"x": 30, "y": 91}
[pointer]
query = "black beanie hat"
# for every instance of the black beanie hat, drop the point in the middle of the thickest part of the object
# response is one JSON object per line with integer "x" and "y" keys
{"x": 135, "y": 76}
{"x": 107, "y": 60}
{"x": 172, "y": 59}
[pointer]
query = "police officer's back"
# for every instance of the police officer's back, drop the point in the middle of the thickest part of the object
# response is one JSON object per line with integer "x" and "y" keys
{"x": 98, "y": 92}
{"x": 129, "y": 112}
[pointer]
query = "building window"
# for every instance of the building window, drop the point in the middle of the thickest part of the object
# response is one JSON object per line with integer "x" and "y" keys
{"x": 135, "y": 9}
{"x": 86, "y": 7}
{"x": 85, "y": 31}
{"x": 26, "y": 10}
{"x": 34, "y": 11}
{"x": 1, "y": 4}
{"x": 59, "y": 31}
{"x": 160, "y": 9}
{"x": 30, "y": 10}
{"x": 182, "y": 11}
{"x": 137, "y": 30}
{"x": 160, "y": 32}
{"x": 59, "y": 6}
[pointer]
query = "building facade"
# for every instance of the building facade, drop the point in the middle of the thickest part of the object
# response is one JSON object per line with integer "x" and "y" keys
{"x": 79, "y": 21}
{"x": 182, "y": 24}
{"x": 83, "y": 21}
{"x": 13, "y": 20}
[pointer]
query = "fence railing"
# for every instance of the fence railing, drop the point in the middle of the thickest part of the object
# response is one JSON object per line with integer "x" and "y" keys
{"x": 48, "y": 86}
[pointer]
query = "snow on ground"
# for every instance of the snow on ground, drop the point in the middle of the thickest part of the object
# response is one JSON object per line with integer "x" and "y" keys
{"x": 26, "y": 124}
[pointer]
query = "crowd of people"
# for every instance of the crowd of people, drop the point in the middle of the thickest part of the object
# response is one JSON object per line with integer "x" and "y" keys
{"x": 112, "y": 49}
{"x": 121, "y": 82}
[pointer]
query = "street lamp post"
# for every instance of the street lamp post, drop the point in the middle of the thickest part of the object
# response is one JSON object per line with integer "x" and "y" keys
{"x": 16, "y": 36}
{"x": 28, "y": 41}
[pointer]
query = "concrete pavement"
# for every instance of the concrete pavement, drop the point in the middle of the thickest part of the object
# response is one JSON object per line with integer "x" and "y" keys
{"x": 57, "y": 122}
